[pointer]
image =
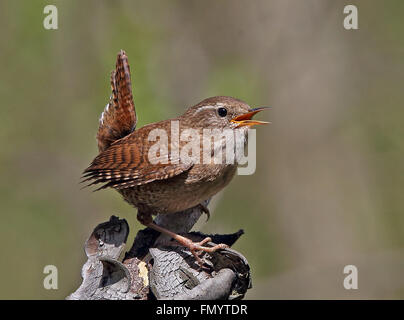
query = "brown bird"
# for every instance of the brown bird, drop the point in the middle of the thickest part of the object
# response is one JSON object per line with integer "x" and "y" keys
{"x": 161, "y": 176}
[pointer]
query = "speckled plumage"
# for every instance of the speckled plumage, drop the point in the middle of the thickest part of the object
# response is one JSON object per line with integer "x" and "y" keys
{"x": 172, "y": 187}
{"x": 168, "y": 180}
{"x": 125, "y": 164}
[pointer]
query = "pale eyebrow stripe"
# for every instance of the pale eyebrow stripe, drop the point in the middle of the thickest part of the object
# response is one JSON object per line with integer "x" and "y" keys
{"x": 205, "y": 108}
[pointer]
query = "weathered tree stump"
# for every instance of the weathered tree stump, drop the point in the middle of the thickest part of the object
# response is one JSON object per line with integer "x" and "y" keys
{"x": 158, "y": 268}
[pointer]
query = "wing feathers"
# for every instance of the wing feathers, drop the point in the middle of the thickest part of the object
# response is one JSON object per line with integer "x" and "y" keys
{"x": 121, "y": 179}
{"x": 122, "y": 162}
{"x": 125, "y": 164}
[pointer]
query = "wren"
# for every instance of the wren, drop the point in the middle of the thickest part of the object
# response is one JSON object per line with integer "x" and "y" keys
{"x": 126, "y": 163}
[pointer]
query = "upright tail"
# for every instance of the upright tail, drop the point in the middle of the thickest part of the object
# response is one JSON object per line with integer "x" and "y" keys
{"x": 119, "y": 116}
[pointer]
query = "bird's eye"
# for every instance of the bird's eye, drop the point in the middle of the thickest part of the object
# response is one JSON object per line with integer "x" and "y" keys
{"x": 222, "y": 112}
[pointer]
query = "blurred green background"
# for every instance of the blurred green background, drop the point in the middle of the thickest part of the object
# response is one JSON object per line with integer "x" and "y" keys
{"x": 328, "y": 190}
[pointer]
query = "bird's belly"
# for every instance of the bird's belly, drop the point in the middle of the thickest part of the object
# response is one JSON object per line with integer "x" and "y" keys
{"x": 180, "y": 192}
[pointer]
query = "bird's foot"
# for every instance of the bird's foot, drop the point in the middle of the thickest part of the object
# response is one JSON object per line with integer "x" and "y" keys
{"x": 197, "y": 248}
{"x": 204, "y": 209}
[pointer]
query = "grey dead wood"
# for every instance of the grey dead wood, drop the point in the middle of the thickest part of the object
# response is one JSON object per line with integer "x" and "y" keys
{"x": 155, "y": 267}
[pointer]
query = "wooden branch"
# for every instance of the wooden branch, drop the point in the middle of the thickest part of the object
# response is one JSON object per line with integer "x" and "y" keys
{"x": 156, "y": 267}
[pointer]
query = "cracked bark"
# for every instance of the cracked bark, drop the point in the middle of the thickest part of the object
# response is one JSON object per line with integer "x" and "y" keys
{"x": 156, "y": 267}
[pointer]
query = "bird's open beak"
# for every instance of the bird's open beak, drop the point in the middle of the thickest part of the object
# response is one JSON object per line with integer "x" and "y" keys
{"x": 245, "y": 119}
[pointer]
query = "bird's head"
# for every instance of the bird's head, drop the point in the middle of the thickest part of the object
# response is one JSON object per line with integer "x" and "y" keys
{"x": 221, "y": 113}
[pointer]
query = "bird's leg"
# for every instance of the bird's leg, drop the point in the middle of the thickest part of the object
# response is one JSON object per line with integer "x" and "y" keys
{"x": 194, "y": 247}
{"x": 204, "y": 209}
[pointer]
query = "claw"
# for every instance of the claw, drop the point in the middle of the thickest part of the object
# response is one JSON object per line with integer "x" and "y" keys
{"x": 205, "y": 209}
{"x": 194, "y": 247}
{"x": 197, "y": 247}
